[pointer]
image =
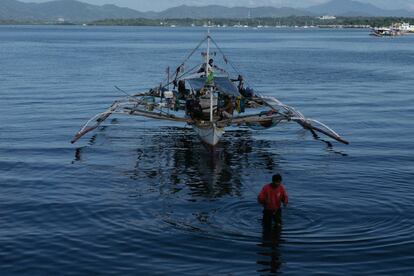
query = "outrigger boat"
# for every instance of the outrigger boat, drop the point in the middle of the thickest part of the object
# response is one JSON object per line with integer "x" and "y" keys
{"x": 208, "y": 99}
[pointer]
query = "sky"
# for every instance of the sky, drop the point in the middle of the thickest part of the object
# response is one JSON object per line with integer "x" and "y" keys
{"x": 158, "y": 5}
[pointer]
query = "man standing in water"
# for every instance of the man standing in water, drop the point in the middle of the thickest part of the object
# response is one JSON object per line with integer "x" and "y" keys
{"x": 271, "y": 197}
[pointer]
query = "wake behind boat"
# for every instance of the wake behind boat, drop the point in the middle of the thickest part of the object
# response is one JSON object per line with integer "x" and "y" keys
{"x": 207, "y": 98}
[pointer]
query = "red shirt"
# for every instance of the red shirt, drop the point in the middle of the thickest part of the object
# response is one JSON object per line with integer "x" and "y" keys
{"x": 270, "y": 197}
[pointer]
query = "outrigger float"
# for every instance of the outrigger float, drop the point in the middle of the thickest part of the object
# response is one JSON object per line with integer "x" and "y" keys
{"x": 208, "y": 99}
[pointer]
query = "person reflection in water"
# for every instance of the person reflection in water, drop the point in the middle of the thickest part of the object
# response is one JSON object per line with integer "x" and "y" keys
{"x": 270, "y": 258}
{"x": 271, "y": 196}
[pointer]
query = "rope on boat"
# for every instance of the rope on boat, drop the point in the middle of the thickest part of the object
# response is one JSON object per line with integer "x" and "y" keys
{"x": 228, "y": 61}
{"x": 194, "y": 50}
{"x": 180, "y": 76}
{"x": 185, "y": 61}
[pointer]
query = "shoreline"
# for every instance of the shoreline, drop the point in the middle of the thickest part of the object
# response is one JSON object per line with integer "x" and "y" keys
{"x": 282, "y": 22}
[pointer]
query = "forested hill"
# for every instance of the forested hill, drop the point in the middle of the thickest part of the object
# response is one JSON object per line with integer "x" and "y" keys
{"x": 76, "y": 11}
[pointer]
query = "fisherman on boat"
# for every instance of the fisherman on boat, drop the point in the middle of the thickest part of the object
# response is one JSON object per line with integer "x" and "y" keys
{"x": 228, "y": 108}
{"x": 203, "y": 67}
{"x": 194, "y": 109}
{"x": 240, "y": 80}
{"x": 183, "y": 92}
{"x": 271, "y": 196}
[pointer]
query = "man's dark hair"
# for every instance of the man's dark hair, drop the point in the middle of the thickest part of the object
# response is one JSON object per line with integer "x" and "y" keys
{"x": 277, "y": 178}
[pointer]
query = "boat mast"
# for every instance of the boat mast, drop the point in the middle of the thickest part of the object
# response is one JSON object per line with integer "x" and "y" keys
{"x": 207, "y": 73}
{"x": 208, "y": 52}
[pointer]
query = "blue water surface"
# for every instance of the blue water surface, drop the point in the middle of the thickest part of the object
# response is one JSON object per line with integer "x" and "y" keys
{"x": 144, "y": 197}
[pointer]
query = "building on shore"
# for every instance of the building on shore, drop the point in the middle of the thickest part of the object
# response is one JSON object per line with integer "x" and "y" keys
{"x": 327, "y": 17}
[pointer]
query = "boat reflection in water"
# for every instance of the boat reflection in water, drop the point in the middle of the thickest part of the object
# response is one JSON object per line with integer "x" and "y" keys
{"x": 190, "y": 192}
{"x": 174, "y": 157}
{"x": 212, "y": 192}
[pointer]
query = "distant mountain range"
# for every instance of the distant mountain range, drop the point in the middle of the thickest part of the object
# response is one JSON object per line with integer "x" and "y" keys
{"x": 72, "y": 10}
{"x": 214, "y": 11}
{"x": 67, "y": 9}
{"x": 354, "y": 8}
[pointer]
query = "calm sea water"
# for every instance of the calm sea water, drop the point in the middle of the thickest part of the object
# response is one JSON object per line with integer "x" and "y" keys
{"x": 144, "y": 197}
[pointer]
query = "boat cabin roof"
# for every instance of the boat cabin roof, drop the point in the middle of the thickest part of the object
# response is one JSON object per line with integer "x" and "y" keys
{"x": 222, "y": 83}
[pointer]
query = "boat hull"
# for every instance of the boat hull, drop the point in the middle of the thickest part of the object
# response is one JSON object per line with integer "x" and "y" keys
{"x": 209, "y": 133}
